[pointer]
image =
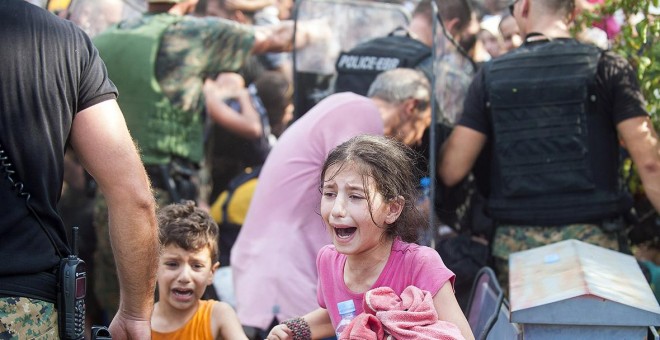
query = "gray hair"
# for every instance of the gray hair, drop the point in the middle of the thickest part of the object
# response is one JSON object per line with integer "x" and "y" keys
{"x": 397, "y": 85}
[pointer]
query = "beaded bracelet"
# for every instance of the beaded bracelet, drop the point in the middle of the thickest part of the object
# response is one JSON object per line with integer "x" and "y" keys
{"x": 300, "y": 329}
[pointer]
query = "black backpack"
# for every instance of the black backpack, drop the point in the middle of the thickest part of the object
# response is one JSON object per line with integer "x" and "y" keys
{"x": 240, "y": 189}
{"x": 357, "y": 68}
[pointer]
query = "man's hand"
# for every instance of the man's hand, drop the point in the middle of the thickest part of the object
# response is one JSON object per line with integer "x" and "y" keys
{"x": 126, "y": 327}
{"x": 225, "y": 86}
{"x": 248, "y": 5}
{"x": 279, "y": 37}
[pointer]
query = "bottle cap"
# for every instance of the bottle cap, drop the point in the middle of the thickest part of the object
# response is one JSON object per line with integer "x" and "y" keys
{"x": 346, "y": 307}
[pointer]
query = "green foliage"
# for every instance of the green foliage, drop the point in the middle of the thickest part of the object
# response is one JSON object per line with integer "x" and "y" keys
{"x": 639, "y": 42}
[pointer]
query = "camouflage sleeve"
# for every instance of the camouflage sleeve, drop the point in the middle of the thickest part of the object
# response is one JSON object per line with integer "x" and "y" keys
{"x": 228, "y": 44}
{"x": 195, "y": 48}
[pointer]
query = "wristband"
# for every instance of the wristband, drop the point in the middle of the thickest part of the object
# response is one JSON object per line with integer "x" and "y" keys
{"x": 300, "y": 329}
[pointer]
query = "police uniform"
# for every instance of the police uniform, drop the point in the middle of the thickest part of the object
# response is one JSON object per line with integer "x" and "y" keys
{"x": 550, "y": 110}
{"x": 50, "y": 70}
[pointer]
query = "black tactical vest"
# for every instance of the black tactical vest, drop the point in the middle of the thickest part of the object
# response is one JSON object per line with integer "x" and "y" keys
{"x": 359, "y": 67}
{"x": 545, "y": 134}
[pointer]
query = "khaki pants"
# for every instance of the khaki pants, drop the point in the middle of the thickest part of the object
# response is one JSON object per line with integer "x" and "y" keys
{"x": 511, "y": 239}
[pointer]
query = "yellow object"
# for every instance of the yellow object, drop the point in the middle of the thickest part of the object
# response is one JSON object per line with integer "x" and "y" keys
{"x": 198, "y": 327}
{"x": 58, "y": 5}
{"x": 238, "y": 204}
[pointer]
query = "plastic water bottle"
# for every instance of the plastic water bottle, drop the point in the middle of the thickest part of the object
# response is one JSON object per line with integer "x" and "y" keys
{"x": 424, "y": 204}
{"x": 347, "y": 313}
{"x": 425, "y": 186}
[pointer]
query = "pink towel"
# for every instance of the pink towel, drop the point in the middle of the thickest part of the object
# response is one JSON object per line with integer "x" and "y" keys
{"x": 410, "y": 316}
{"x": 363, "y": 327}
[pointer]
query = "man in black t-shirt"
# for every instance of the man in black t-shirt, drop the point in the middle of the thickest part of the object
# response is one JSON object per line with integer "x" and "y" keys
{"x": 55, "y": 92}
{"x": 551, "y": 114}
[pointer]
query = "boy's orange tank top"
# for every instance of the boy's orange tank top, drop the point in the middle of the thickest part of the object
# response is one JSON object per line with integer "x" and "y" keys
{"x": 198, "y": 327}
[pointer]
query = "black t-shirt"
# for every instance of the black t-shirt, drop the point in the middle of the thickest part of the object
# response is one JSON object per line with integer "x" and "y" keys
{"x": 617, "y": 88}
{"x": 618, "y": 97}
{"x": 49, "y": 71}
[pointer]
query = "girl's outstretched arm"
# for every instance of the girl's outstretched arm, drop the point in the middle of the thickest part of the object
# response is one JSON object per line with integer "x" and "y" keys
{"x": 318, "y": 321}
{"x": 449, "y": 310}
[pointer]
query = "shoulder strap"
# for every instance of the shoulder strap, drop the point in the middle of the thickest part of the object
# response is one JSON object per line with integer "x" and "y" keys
{"x": 261, "y": 109}
{"x": 17, "y": 185}
{"x": 400, "y": 31}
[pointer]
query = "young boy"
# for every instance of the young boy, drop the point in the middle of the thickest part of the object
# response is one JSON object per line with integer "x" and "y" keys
{"x": 187, "y": 262}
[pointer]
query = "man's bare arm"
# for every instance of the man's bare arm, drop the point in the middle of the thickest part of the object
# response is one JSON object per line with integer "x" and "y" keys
{"x": 279, "y": 37}
{"x": 641, "y": 141}
{"x": 459, "y": 153}
{"x": 100, "y": 138}
{"x": 249, "y": 5}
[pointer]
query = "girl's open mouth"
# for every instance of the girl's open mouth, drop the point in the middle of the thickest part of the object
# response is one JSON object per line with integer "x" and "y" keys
{"x": 345, "y": 232}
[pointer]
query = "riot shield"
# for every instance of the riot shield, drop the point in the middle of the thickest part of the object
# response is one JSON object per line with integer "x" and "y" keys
{"x": 453, "y": 66}
{"x": 94, "y": 16}
{"x": 351, "y": 22}
{"x": 453, "y": 71}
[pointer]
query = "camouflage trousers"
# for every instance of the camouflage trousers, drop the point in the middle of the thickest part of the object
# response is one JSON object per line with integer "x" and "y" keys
{"x": 106, "y": 284}
{"x": 510, "y": 239}
{"x": 24, "y": 318}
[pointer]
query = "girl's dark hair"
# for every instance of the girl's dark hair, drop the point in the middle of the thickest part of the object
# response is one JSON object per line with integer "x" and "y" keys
{"x": 188, "y": 227}
{"x": 392, "y": 166}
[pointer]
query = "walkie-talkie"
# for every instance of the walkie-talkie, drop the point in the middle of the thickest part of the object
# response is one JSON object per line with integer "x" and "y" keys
{"x": 72, "y": 280}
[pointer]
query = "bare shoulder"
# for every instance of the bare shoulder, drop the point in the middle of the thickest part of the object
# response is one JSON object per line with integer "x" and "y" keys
{"x": 225, "y": 323}
{"x": 220, "y": 308}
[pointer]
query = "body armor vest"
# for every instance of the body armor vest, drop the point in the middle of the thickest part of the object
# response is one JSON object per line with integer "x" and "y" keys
{"x": 358, "y": 68}
{"x": 160, "y": 129}
{"x": 545, "y": 132}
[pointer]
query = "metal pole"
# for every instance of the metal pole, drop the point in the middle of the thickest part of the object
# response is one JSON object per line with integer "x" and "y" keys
{"x": 433, "y": 131}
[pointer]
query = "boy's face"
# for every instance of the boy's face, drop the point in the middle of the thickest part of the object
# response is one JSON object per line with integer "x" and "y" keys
{"x": 183, "y": 276}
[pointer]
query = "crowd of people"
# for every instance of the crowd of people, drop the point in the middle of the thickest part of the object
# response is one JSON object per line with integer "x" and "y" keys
{"x": 141, "y": 128}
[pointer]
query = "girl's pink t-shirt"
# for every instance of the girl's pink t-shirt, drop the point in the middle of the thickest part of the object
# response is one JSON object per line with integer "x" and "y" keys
{"x": 408, "y": 264}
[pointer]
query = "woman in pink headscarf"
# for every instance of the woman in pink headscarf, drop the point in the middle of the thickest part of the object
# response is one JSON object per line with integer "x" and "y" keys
{"x": 607, "y": 24}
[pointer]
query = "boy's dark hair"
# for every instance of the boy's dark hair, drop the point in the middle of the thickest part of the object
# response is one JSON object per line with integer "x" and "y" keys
{"x": 459, "y": 9}
{"x": 392, "y": 166}
{"x": 275, "y": 93}
{"x": 188, "y": 227}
